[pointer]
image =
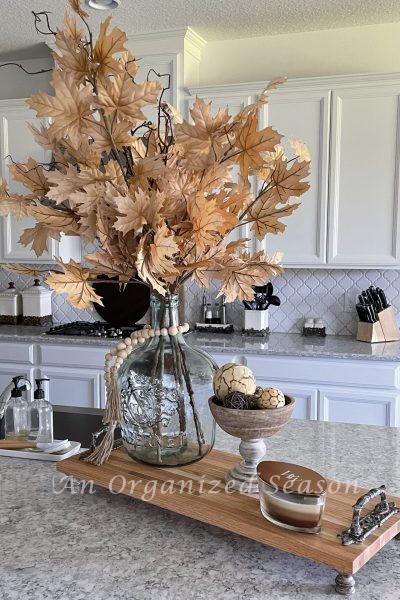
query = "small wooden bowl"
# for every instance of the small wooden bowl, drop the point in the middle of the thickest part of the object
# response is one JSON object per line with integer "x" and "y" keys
{"x": 252, "y": 424}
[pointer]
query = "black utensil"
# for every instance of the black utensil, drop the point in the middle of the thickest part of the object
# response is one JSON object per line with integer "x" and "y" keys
{"x": 382, "y": 296}
{"x": 274, "y": 300}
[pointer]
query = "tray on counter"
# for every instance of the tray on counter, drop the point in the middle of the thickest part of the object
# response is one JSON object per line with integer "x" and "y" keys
{"x": 74, "y": 448}
{"x": 240, "y": 513}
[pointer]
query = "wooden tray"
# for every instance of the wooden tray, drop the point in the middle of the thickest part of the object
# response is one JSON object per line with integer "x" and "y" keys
{"x": 203, "y": 497}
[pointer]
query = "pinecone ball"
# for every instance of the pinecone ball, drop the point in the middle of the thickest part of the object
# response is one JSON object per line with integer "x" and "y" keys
{"x": 271, "y": 398}
{"x": 237, "y": 401}
{"x": 233, "y": 378}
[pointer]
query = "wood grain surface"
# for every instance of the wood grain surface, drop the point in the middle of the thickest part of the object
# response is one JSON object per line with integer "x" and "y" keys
{"x": 198, "y": 491}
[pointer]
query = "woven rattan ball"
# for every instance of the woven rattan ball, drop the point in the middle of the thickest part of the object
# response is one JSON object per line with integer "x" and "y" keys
{"x": 236, "y": 400}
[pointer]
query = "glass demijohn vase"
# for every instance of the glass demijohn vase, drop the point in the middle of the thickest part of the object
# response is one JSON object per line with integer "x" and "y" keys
{"x": 165, "y": 386}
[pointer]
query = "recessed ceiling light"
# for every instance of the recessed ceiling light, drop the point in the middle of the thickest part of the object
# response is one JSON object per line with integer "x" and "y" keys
{"x": 103, "y": 4}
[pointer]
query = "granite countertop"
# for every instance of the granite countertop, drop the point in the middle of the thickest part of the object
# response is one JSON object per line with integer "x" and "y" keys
{"x": 64, "y": 546}
{"x": 283, "y": 344}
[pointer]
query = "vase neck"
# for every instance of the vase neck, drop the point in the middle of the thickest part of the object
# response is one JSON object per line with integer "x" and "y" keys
{"x": 164, "y": 310}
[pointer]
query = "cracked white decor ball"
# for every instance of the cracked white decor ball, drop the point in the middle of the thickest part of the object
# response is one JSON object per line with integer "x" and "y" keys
{"x": 233, "y": 378}
{"x": 271, "y": 398}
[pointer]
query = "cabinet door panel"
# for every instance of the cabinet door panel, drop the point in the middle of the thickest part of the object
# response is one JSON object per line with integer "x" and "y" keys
{"x": 75, "y": 387}
{"x": 363, "y": 216}
{"x": 357, "y": 406}
{"x": 17, "y": 144}
{"x": 303, "y": 115}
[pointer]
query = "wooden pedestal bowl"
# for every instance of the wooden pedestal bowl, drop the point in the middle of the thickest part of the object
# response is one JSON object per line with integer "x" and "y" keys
{"x": 251, "y": 426}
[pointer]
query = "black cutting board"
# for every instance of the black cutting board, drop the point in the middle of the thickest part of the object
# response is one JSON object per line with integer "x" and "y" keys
{"x": 123, "y": 306}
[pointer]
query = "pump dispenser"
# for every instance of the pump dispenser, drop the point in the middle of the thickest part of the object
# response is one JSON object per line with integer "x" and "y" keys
{"x": 41, "y": 415}
{"x": 17, "y": 414}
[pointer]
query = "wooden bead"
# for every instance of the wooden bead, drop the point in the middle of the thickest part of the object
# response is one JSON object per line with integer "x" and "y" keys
{"x": 121, "y": 346}
{"x": 122, "y": 354}
{"x": 108, "y": 356}
{"x": 113, "y": 351}
{"x": 141, "y": 340}
{"x": 134, "y": 335}
{"x": 164, "y": 331}
{"x": 181, "y": 328}
{"x": 151, "y": 332}
{"x": 187, "y": 327}
{"x": 157, "y": 332}
{"x": 134, "y": 342}
{"x": 173, "y": 330}
{"x": 128, "y": 341}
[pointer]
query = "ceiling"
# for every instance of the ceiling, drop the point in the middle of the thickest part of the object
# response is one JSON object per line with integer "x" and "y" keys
{"x": 213, "y": 19}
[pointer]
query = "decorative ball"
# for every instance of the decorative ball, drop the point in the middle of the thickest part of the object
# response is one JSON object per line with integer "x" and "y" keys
{"x": 271, "y": 398}
{"x": 237, "y": 401}
{"x": 233, "y": 378}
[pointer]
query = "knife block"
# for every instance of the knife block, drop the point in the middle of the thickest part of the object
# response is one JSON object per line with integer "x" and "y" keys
{"x": 384, "y": 330}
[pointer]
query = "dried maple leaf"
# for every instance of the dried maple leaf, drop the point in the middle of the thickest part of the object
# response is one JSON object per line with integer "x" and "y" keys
{"x": 69, "y": 108}
{"x": 250, "y": 143}
{"x": 31, "y": 175}
{"x": 26, "y": 270}
{"x": 274, "y": 203}
{"x": 300, "y": 149}
{"x": 106, "y": 264}
{"x": 38, "y": 236}
{"x": 238, "y": 274}
{"x": 64, "y": 221}
{"x": 104, "y": 139}
{"x": 65, "y": 184}
{"x": 106, "y": 46}
{"x": 43, "y": 136}
{"x": 206, "y": 129}
{"x": 261, "y": 100}
{"x": 15, "y": 205}
{"x": 77, "y": 8}
{"x": 209, "y": 221}
{"x": 74, "y": 57}
{"x": 142, "y": 209}
{"x": 121, "y": 98}
{"x": 75, "y": 283}
{"x": 155, "y": 259}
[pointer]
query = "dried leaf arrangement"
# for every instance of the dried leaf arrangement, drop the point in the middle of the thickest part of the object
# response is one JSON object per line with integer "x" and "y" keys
{"x": 159, "y": 199}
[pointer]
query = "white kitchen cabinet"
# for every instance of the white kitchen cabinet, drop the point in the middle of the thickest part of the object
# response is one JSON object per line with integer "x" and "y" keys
{"x": 17, "y": 144}
{"x": 349, "y": 218}
{"x": 364, "y": 168}
{"x": 296, "y": 113}
{"x": 349, "y": 405}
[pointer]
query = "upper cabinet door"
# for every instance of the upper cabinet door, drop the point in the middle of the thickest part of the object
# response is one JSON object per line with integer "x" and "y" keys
{"x": 17, "y": 144}
{"x": 364, "y": 191}
{"x": 304, "y": 115}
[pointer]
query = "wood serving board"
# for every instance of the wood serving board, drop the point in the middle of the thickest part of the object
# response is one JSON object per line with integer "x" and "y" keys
{"x": 239, "y": 513}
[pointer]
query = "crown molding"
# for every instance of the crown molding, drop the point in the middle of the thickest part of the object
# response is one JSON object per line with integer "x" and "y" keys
{"x": 167, "y": 41}
{"x": 297, "y": 84}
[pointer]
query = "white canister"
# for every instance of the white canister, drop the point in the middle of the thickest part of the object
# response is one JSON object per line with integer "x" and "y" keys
{"x": 36, "y": 304}
{"x": 256, "y": 320}
{"x": 10, "y": 305}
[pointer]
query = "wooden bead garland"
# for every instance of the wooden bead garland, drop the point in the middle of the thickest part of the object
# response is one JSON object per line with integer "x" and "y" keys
{"x": 123, "y": 349}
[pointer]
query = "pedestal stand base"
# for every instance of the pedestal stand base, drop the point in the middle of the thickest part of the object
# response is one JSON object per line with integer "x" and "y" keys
{"x": 345, "y": 584}
{"x": 243, "y": 477}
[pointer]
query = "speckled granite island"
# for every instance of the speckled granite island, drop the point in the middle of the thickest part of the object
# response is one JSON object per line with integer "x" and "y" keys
{"x": 63, "y": 546}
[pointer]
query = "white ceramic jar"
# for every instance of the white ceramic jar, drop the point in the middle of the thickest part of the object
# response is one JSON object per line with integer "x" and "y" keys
{"x": 10, "y": 305}
{"x": 36, "y": 303}
{"x": 256, "y": 320}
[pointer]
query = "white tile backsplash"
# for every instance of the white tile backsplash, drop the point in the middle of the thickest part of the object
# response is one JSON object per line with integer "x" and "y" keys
{"x": 304, "y": 292}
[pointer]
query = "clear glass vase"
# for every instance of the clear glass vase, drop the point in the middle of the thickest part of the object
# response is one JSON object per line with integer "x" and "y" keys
{"x": 165, "y": 385}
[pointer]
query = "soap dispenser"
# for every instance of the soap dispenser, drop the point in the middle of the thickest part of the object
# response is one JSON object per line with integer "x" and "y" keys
{"x": 17, "y": 414}
{"x": 41, "y": 415}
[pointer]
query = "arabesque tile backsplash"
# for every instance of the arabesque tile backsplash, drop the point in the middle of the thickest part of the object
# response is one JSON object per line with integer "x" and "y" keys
{"x": 303, "y": 292}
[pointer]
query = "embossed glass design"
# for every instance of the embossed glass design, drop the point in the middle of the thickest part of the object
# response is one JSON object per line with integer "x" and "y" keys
{"x": 165, "y": 386}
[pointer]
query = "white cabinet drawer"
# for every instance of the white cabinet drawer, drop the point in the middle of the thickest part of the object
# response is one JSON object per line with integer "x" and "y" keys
{"x": 74, "y": 387}
{"x": 367, "y": 407}
{"x": 324, "y": 371}
{"x": 18, "y": 352}
{"x": 73, "y": 356}
{"x": 306, "y": 397}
